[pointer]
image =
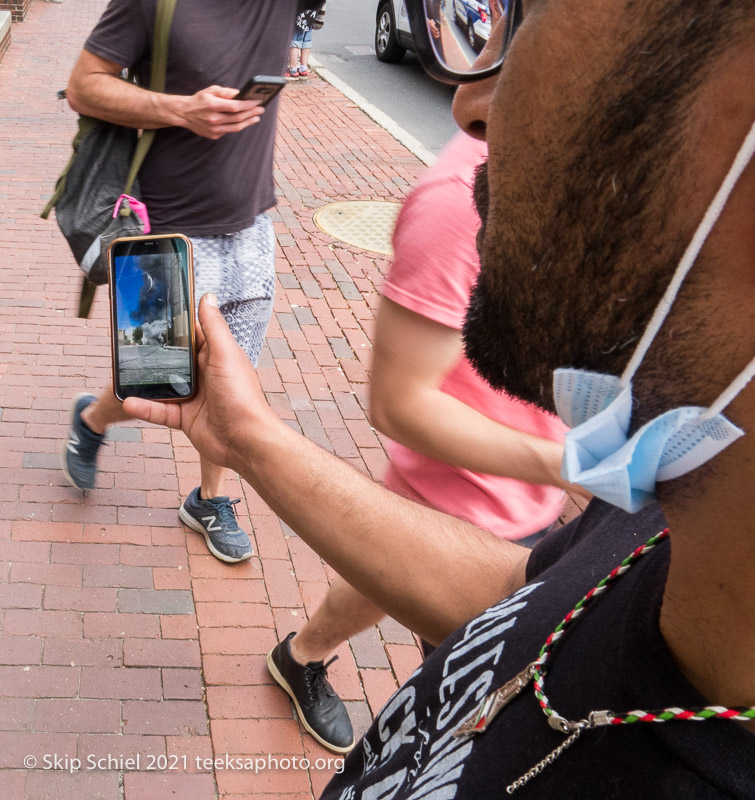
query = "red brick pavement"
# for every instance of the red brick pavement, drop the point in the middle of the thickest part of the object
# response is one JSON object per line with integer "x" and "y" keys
{"x": 118, "y": 639}
{"x": 117, "y": 636}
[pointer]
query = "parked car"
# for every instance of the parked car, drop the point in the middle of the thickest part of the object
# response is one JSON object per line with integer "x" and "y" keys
{"x": 393, "y": 36}
{"x": 473, "y": 17}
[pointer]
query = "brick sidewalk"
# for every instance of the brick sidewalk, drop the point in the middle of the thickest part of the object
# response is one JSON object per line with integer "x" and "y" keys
{"x": 120, "y": 634}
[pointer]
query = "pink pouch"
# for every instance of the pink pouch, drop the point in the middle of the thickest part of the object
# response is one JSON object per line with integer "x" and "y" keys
{"x": 137, "y": 207}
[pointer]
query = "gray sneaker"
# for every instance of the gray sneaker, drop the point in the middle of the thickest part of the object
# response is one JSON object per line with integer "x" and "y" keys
{"x": 80, "y": 451}
{"x": 215, "y": 519}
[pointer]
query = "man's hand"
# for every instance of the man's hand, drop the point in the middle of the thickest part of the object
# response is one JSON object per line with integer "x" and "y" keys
{"x": 95, "y": 89}
{"x": 229, "y": 401}
{"x": 213, "y": 112}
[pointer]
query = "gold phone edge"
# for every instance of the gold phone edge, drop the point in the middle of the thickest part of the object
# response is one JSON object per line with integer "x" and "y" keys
{"x": 192, "y": 318}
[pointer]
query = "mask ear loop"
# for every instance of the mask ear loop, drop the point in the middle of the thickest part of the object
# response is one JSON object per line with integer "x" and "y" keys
{"x": 688, "y": 259}
{"x": 728, "y": 394}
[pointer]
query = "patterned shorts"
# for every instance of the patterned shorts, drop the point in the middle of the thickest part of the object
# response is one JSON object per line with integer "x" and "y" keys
{"x": 240, "y": 269}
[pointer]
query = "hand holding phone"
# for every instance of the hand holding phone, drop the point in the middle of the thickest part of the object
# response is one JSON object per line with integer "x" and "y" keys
{"x": 152, "y": 315}
{"x": 262, "y": 88}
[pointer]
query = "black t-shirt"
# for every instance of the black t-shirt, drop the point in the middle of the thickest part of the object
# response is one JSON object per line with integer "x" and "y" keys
{"x": 613, "y": 657}
{"x": 191, "y": 184}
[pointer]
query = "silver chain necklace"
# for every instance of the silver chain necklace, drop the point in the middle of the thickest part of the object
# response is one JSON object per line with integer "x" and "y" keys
{"x": 535, "y": 672}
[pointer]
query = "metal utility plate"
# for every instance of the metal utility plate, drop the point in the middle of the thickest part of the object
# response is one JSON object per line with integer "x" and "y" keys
{"x": 363, "y": 223}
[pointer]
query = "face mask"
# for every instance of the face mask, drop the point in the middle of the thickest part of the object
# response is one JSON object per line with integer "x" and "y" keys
{"x": 599, "y": 454}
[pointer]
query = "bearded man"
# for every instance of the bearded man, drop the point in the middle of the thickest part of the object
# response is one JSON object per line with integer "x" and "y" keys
{"x": 617, "y": 250}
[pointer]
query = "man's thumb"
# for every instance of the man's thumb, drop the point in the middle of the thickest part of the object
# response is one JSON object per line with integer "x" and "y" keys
{"x": 224, "y": 91}
{"x": 214, "y": 327}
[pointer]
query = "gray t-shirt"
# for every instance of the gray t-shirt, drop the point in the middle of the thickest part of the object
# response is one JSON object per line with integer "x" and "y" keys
{"x": 191, "y": 184}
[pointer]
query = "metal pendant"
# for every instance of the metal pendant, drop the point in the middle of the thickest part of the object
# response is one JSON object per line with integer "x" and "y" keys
{"x": 493, "y": 703}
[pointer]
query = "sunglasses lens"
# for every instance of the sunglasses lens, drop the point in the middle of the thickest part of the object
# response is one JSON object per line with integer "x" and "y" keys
{"x": 468, "y": 35}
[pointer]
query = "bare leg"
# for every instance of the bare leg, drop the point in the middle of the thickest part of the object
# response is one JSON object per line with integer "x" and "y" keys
{"x": 293, "y": 57}
{"x": 213, "y": 479}
{"x": 107, "y": 410}
{"x": 343, "y": 613}
{"x": 305, "y": 53}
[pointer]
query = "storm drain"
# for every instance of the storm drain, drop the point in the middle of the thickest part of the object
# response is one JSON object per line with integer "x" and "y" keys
{"x": 363, "y": 223}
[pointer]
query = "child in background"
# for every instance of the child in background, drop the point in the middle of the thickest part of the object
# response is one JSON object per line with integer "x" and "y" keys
{"x": 301, "y": 44}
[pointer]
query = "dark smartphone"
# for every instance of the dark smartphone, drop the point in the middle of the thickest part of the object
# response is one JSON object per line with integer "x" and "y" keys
{"x": 152, "y": 317}
{"x": 262, "y": 88}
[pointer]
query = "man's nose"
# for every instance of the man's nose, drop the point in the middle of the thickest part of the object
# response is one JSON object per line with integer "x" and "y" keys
{"x": 471, "y": 105}
{"x": 472, "y": 100}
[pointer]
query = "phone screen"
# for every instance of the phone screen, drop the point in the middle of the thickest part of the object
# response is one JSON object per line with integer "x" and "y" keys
{"x": 151, "y": 292}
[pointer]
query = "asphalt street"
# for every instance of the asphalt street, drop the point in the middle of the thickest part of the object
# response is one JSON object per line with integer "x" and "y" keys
{"x": 149, "y": 363}
{"x": 345, "y": 46}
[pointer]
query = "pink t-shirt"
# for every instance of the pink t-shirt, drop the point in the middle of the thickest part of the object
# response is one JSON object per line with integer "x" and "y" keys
{"x": 433, "y": 273}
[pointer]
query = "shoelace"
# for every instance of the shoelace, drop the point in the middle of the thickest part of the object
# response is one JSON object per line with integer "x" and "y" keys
{"x": 227, "y": 512}
{"x": 317, "y": 680}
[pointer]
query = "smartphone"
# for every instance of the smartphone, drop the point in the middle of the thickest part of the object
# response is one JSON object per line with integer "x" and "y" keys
{"x": 152, "y": 317}
{"x": 261, "y": 88}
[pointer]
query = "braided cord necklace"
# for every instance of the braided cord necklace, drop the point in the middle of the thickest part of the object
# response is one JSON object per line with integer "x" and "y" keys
{"x": 536, "y": 671}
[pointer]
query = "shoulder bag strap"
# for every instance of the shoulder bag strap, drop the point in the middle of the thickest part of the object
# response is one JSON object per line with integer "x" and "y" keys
{"x": 163, "y": 19}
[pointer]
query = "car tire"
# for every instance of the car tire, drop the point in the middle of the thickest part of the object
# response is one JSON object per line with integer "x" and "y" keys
{"x": 471, "y": 38}
{"x": 387, "y": 47}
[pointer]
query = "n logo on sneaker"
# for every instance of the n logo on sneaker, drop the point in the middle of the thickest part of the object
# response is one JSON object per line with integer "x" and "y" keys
{"x": 210, "y": 521}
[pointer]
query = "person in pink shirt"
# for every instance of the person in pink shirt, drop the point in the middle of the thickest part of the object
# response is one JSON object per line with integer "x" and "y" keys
{"x": 458, "y": 445}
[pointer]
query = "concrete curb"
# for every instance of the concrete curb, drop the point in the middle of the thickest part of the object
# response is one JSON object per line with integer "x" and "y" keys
{"x": 410, "y": 143}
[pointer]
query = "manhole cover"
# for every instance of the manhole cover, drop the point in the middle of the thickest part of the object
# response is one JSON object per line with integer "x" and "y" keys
{"x": 364, "y": 223}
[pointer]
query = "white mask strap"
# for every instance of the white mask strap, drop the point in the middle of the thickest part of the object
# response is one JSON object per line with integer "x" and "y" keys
{"x": 688, "y": 259}
{"x": 735, "y": 387}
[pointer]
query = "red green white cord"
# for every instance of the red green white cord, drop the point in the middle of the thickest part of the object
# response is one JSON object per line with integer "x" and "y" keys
{"x": 738, "y": 713}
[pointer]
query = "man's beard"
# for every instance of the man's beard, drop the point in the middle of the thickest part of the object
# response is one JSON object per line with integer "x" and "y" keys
{"x": 574, "y": 263}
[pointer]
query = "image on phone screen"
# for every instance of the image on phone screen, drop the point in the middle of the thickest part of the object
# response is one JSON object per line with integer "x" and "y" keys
{"x": 153, "y": 313}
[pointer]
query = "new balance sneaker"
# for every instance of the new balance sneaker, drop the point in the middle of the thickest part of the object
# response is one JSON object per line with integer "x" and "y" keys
{"x": 80, "y": 451}
{"x": 320, "y": 709}
{"x": 215, "y": 519}
{"x": 291, "y": 74}
{"x": 303, "y": 73}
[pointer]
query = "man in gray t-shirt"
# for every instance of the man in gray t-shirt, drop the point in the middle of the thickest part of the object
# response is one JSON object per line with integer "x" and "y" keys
{"x": 208, "y": 175}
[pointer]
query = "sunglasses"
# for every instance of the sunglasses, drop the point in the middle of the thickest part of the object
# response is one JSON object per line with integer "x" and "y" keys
{"x": 460, "y": 41}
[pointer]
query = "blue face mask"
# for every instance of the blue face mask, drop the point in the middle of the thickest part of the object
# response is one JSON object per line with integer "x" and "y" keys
{"x": 599, "y": 454}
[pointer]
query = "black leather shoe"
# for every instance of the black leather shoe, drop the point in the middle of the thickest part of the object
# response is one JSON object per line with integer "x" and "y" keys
{"x": 320, "y": 709}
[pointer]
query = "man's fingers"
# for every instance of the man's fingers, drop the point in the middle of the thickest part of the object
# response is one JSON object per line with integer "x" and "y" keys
{"x": 159, "y": 413}
{"x": 234, "y": 126}
{"x": 225, "y": 93}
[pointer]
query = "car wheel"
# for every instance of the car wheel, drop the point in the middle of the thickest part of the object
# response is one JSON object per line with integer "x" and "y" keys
{"x": 387, "y": 47}
{"x": 471, "y": 38}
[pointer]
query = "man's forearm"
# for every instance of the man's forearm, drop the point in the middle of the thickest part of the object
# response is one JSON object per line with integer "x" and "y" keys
{"x": 110, "y": 98}
{"x": 430, "y": 571}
